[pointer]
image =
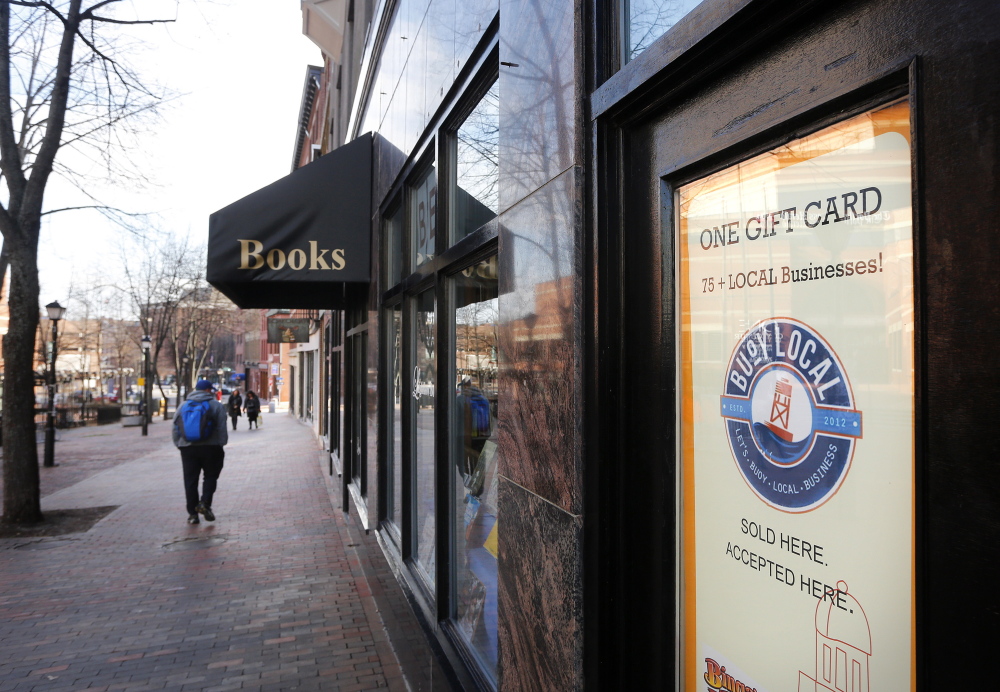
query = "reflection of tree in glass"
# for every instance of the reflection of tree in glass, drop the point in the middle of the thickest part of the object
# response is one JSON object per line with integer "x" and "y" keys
{"x": 396, "y": 349}
{"x": 426, "y": 326}
{"x": 476, "y": 340}
{"x": 477, "y": 151}
{"x": 650, "y": 19}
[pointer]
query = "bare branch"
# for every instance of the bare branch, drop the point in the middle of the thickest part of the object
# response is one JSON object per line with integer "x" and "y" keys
{"x": 130, "y": 21}
{"x": 39, "y": 4}
{"x": 102, "y": 3}
{"x": 42, "y": 166}
{"x": 103, "y": 207}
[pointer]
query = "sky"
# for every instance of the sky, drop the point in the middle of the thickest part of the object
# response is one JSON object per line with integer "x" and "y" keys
{"x": 238, "y": 67}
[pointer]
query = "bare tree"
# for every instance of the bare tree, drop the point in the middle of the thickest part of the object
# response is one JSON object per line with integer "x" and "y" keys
{"x": 157, "y": 283}
{"x": 204, "y": 316}
{"x": 50, "y": 99}
{"x": 110, "y": 329}
{"x": 121, "y": 352}
{"x": 180, "y": 312}
{"x": 650, "y": 19}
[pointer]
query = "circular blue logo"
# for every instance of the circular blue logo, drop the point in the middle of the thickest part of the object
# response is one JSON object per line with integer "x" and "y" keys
{"x": 789, "y": 414}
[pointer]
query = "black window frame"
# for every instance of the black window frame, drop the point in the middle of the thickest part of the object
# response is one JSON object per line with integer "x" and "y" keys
{"x": 447, "y": 171}
{"x": 435, "y": 604}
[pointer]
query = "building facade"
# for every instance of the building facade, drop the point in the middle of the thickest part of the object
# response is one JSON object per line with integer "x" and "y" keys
{"x": 586, "y": 226}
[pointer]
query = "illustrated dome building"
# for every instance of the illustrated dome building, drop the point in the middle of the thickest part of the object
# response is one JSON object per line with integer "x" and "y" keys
{"x": 843, "y": 646}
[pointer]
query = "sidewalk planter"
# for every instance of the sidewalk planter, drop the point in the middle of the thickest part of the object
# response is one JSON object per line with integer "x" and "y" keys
{"x": 130, "y": 421}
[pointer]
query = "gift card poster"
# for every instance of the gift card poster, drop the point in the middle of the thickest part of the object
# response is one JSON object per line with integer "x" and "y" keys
{"x": 797, "y": 415}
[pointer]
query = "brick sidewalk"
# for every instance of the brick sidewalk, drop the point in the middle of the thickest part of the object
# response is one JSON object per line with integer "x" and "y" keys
{"x": 82, "y": 452}
{"x": 277, "y": 594}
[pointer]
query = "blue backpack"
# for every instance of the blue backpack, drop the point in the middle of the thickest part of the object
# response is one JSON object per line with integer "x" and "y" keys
{"x": 197, "y": 421}
{"x": 480, "y": 409}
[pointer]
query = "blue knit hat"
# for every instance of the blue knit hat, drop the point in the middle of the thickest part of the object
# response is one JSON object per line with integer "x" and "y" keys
{"x": 205, "y": 385}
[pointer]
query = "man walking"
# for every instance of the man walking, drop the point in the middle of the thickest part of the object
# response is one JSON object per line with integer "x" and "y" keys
{"x": 200, "y": 433}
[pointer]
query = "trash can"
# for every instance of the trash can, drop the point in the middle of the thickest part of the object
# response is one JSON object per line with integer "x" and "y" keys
{"x": 108, "y": 413}
{"x": 272, "y": 406}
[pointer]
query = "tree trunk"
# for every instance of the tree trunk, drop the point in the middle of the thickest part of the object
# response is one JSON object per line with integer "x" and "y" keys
{"x": 21, "y": 225}
{"x": 21, "y": 492}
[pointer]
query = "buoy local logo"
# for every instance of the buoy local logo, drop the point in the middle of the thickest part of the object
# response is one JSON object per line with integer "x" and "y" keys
{"x": 789, "y": 414}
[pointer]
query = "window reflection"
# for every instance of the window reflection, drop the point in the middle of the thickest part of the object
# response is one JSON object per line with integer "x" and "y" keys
{"x": 395, "y": 422}
{"x": 474, "y": 454}
{"x": 475, "y": 194}
{"x": 650, "y": 19}
{"x": 423, "y": 218}
{"x": 422, "y": 396}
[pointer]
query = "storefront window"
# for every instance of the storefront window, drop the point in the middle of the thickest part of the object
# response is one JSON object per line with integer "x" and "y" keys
{"x": 475, "y": 194}
{"x": 394, "y": 248}
{"x": 359, "y": 419}
{"x": 423, "y": 218}
{"x": 309, "y": 371}
{"x": 650, "y": 19}
{"x": 473, "y": 451}
{"x": 395, "y": 421}
{"x": 424, "y": 378}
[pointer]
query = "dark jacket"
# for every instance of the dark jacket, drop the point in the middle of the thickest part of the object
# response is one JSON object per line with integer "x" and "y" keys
{"x": 235, "y": 405}
{"x": 219, "y": 436}
{"x": 252, "y": 406}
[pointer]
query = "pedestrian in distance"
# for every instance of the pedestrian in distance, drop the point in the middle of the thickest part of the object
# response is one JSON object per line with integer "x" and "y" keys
{"x": 235, "y": 405}
{"x": 252, "y": 407}
{"x": 200, "y": 434}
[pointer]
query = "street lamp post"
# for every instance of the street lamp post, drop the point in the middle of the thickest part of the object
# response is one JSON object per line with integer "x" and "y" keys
{"x": 55, "y": 313}
{"x": 146, "y": 343}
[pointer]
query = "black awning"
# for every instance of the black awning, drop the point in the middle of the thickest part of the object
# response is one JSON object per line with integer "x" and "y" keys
{"x": 301, "y": 242}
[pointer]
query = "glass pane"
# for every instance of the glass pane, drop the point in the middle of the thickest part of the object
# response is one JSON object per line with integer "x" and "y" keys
{"x": 475, "y": 195}
{"x": 310, "y": 370}
{"x": 395, "y": 422}
{"x": 473, "y": 451}
{"x": 336, "y": 400}
{"x": 423, "y": 218}
{"x": 424, "y": 373}
{"x": 650, "y": 19}
{"x": 394, "y": 248}
{"x": 358, "y": 415}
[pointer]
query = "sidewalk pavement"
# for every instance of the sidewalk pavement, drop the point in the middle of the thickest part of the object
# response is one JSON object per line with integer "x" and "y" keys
{"x": 279, "y": 593}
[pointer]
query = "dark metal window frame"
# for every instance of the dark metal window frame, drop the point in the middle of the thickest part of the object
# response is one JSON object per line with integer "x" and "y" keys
{"x": 387, "y": 459}
{"x": 447, "y": 538}
{"x": 613, "y": 77}
{"x": 627, "y": 98}
{"x": 355, "y": 461}
{"x": 485, "y": 79}
{"x": 336, "y": 388}
{"x": 434, "y": 608}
